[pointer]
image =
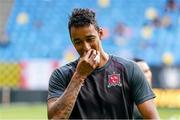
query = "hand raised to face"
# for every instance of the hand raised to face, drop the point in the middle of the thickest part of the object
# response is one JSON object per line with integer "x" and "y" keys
{"x": 88, "y": 63}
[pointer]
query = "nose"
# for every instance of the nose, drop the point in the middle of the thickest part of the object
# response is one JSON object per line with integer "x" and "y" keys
{"x": 86, "y": 47}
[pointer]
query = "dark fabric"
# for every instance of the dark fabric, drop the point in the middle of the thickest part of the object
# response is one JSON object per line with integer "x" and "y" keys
{"x": 107, "y": 92}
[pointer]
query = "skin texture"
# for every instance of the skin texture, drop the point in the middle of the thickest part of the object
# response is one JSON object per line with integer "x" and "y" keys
{"x": 87, "y": 42}
{"x": 148, "y": 110}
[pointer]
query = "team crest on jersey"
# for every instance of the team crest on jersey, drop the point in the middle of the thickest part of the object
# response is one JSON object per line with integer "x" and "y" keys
{"x": 114, "y": 80}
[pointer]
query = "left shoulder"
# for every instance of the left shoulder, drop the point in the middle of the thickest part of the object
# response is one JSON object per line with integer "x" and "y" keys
{"x": 127, "y": 63}
{"x": 130, "y": 66}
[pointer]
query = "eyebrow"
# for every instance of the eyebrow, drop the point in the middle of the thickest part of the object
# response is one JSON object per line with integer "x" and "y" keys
{"x": 88, "y": 36}
{"x": 76, "y": 39}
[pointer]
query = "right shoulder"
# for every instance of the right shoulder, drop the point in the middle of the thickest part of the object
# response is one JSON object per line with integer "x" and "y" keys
{"x": 64, "y": 72}
{"x": 67, "y": 67}
{"x": 60, "y": 79}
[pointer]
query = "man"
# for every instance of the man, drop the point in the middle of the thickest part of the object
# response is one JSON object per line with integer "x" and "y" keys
{"x": 148, "y": 74}
{"x": 96, "y": 85}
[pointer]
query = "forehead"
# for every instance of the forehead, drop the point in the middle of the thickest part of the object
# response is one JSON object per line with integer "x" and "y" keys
{"x": 82, "y": 31}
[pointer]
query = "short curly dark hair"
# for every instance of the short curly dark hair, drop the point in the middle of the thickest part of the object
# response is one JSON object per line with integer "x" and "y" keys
{"x": 82, "y": 17}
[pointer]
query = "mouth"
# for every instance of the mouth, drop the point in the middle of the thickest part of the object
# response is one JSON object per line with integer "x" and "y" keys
{"x": 84, "y": 53}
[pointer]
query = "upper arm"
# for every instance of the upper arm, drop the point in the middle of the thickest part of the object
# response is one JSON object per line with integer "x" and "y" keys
{"x": 140, "y": 88}
{"x": 55, "y": 89}
{"x": 148, "y": 109}
{"x": 51, "y": 101}
{"x": 142, "y": 94}
{"x": 60, "y": 104}
{"x": 49, "y": 104}
{"x": 56, "y": 84}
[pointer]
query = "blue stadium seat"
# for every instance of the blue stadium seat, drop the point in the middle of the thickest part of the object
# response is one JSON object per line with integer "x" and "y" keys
{"x": 45, "y": 35}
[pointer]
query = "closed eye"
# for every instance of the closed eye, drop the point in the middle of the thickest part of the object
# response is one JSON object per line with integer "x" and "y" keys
{"x": 76, "y": 41}
{"x": 90, "y": 39}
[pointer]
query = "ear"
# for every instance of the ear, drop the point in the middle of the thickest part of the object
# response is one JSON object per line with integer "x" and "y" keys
{"x": 100, "y": 33}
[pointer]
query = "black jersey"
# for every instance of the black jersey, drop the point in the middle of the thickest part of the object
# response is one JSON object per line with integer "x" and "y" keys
{"x": 108, "y": 92}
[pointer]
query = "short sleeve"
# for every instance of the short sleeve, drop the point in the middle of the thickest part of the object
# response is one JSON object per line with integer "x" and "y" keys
{"x": 141, "y": 89}
{"x": 56, "y": 84}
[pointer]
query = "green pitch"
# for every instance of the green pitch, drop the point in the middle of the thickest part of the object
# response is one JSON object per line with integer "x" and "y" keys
{"x": 39, "y": 112}
{"x": 23, "y": 112}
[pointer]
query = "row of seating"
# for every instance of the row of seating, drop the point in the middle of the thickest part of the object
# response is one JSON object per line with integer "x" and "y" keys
{"x": 38, "y": 29}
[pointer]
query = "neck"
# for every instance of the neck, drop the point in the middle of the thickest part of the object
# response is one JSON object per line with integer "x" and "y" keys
{"x": 104, "y": 57}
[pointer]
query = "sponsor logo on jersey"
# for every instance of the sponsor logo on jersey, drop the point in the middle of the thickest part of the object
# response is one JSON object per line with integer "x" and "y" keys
{"x": 114, "y": 80}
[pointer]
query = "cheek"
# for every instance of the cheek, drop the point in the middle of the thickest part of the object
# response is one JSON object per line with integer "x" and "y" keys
{"x": 96, "y": 45}
{"x": 79, "y": 50}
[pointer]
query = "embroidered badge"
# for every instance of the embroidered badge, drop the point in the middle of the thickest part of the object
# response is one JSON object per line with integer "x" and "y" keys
{"x": 114, "y": 80}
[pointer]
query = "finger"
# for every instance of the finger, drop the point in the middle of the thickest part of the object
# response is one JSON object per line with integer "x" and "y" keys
{"x": 87, "y": 55}
{"x": 93, "y": 54}
{"x": 97, "y": 59}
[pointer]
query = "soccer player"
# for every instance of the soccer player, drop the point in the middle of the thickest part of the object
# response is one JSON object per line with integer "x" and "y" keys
{"x": 148, "y": 74}
{"x": 97, "y": 85}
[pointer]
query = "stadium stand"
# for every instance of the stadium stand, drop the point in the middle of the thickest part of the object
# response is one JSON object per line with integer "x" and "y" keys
{"x": 37, "y": 33}
{"x": 38, "y": 29}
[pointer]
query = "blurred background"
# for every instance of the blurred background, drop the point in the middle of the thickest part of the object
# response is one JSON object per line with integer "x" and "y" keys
{"x": 34, "y": 40}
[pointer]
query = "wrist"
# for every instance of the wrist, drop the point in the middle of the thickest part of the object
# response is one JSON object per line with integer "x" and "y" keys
{"x": 79, "y": 77}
